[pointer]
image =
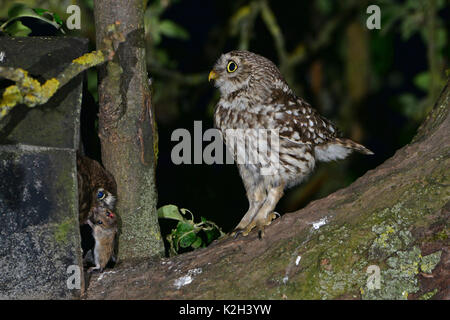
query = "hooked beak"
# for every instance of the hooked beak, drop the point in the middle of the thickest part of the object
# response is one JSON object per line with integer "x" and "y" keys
{"x": 212, "y": 76}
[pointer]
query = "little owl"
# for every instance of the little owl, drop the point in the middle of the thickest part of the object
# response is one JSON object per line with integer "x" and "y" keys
{"x": 96, "y": 187}
{"x": 255, "y": 98}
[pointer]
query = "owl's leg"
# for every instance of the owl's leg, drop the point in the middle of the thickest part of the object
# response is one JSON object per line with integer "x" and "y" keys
{"x": 266, "y": 214}
{"x": 256, "y": 197}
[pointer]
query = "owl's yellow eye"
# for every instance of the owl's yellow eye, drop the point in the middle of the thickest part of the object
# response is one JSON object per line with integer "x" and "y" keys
{"x": 232, "y": 66}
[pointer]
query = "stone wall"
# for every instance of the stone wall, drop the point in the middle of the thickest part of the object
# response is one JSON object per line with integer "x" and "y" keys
{"x": 39, "y": 232}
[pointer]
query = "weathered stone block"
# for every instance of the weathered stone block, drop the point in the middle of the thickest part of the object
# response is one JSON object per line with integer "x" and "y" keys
{"x": 56, "y": 123}
{"x": 39, "y": 233}
{"x": 39, "y": 230}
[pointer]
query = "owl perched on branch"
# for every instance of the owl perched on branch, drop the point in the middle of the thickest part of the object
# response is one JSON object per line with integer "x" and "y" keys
{"x": 257, "y": 103}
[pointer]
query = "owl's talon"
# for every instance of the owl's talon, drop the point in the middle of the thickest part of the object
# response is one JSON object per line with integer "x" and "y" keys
{"x": 249, "y": 228}
{"x": 260, "y": 226}
{"x": 261, "y": 233}
{"x": 272, "y": 216}
{"x": 235, "y": 233}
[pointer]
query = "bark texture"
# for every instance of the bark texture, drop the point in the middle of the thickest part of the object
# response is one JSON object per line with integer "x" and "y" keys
{"x": 395, "y": 218}
{"x": 126, "y": 127}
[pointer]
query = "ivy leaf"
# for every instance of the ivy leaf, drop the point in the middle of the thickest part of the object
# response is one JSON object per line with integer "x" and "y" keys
{"x": 211, "y": 235}
{"x": 197, "y": 243}
{"x": 170, "y": 211}
{"x": 17, "y": 29}
{"x": 185, "y": 234}
{"x": 40, "y": 11}
{"x": 57, "y": 19}
{"x": 20, "y": 10}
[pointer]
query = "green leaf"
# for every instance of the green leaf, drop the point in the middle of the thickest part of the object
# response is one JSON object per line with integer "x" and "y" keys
{"x": 197, "y": 243}
{"x": 40, "y": 11}
{"x": 57, "y": 19}
{"x": 172, "y": 30}
{"x": 185, "y": 234}
{"x": 184, "y": 227}
{"x": 17, "y": 29}
{"x": 170, "y": 211}
{"x": 211, "y": 235}
{"x": 422, "y": 80}
{"x": 20, "y": 10}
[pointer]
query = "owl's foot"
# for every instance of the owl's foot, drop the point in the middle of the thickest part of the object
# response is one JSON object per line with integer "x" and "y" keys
{"x": 260, "y": 226}
{"x": 244, "y": 231}
{"x": 254, "y": 223}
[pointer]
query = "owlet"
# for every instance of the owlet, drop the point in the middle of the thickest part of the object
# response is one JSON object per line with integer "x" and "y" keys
{"x": 275, "y": 137}
{"x": 96, "y": 187}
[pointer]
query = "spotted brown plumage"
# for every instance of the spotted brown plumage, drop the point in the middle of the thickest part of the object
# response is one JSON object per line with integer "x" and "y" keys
{"x": 255, "y": 98}
{"x": 96, "y": 187}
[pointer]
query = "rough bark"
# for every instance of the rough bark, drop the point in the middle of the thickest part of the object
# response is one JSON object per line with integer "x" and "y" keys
{"x": 126, "y": 127}
{"x": 395, "y": 217}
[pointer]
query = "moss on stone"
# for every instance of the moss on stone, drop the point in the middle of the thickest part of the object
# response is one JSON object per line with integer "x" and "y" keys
{"x": 63, "y": 229}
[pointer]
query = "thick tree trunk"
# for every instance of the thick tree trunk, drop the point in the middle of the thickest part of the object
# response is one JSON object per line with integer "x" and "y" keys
{"x": 394, "y": 219}
{"x": 127, "y": 128}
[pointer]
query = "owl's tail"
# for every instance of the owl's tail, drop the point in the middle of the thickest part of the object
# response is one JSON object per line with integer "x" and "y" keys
{"x": 337, "y": 149}
{"x": 350, "y": 144}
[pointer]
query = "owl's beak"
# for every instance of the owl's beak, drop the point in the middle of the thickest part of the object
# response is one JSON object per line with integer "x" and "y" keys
{"x": 212, "y": 76}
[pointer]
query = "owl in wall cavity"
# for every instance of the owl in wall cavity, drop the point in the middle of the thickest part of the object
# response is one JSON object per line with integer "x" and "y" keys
{"x": 254, "y": 98}
{"x": 96, "y": 187}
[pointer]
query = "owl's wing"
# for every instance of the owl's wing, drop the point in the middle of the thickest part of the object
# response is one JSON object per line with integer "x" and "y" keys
{"x": 299, "y": 123}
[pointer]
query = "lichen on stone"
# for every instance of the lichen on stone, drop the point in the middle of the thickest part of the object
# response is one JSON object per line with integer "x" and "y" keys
{"x": 428, "y": 295}
{"x": 50, "y": 87}
{"x": 11, "y": 96}
{"x": 429, "y": 262}
{"x": 399, "y": 279}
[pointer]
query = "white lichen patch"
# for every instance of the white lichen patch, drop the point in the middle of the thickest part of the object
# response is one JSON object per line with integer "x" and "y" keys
{"x": 321, "y": 222}
{"x": 105, "y": 273}
{"x": 297, "y": 261}
{"x": 187, "y": 279}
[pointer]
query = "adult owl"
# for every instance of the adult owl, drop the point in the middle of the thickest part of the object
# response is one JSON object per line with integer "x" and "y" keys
{"x": 96, "y": 187}
{"x": 254, "y": 98}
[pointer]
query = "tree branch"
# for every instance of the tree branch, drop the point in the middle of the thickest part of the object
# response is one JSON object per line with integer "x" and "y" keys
{"x": 394, "y": 218}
